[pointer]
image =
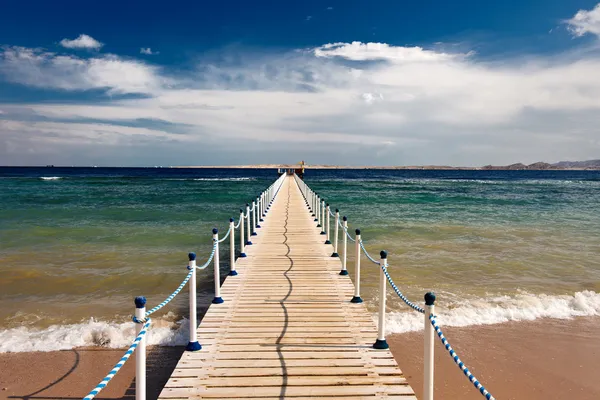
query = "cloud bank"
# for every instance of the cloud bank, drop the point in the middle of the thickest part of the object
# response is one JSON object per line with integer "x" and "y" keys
{"x": 338, "y": 103}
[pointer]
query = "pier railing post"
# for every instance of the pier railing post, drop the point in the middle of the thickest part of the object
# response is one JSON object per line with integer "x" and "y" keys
{"x": 328, "y": 241}
{"x": 257, "y": 212}
{"x": 140, "y": 355}
{"x": 248, "y": 225}
{"x": 317, "y": 214}
{"x": 428, "y": 366}
{"x": 242, "y": 242}
{"x": 254, "y": 218}
{"x": 381, "y": 343}
{"x": 232, "y": 271}
{"x": 344, "y": 271}
{"x": 323, "y": 217}
{"x": 218, "y": 299}
{"x": 357, "y": 298}
{"x": 335, "y": 240}
{"x": 193, "y": 344}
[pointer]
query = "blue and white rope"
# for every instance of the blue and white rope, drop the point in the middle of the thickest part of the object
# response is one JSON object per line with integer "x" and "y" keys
{"x": 458, "y": 361}
{"x": 362, "y": 246}
{"x": 168, "y": 299}
{"x": 212, "y": 254}
{"x": 239, "y": 223}
{"x": 226, "y": 236}
{"x": 120, "y": 364}
{"x": 399, "y": 293}
{"x": 347, "y": 234}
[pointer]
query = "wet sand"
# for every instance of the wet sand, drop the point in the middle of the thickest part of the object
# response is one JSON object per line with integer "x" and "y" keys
{"x": 71, "y": 374}
{"x": 544, "y": 359}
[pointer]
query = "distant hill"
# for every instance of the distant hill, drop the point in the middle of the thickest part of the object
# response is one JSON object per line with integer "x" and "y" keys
{"x": 591, "y": 164}
{"x": 578, "y": 164}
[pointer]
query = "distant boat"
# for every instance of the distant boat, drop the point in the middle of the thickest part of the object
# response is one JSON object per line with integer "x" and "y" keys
{"x": 49, "y": 166}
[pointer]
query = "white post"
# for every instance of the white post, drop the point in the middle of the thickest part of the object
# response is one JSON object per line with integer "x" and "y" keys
{"x": 328, "y": 240}
{"x": 232, "y": 271}
{"x": 323, "y": 217}
{"x": 316, "y": 208}
{"x": 428, "y": 366}
{"x": 357, "y": 298}
{"x": 242, "y": 242}
{"x": 344, "y": 271}
{"x": 319, "y": 223}
{"x": 335, "y": 240}
{"x": 218, "y": 299}
{"x": 140, "y": 355}
{"x": 254, "y": 218}
{"x": 381, "y": 343}
{"x": 248, "y": 225}
{"x": 257, "y": 212}
{"x": 193, "y": 344}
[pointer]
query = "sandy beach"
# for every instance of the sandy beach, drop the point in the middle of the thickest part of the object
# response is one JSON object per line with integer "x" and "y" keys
{"x": 557, "y": 359}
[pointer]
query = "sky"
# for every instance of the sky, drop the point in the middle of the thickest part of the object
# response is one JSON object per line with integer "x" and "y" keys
{"x": 395, "y": 82}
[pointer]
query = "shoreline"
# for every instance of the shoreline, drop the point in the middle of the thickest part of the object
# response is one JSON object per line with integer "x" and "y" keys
{"x": 534, "y": 360}
{"x": 326, "y": 167}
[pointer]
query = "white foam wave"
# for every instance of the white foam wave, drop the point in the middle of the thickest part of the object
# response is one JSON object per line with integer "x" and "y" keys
{"x": 50, "y": 178}
{"x": 223, "y": 179}
{"x": 92, "y": 333}
{"x": 496, "y": 310}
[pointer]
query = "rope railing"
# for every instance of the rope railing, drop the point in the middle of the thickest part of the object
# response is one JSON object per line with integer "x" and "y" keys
{"x": 458, "y": 361}
{"x": 119, "y": 364}
{"x": 399, "y": 293}
{"x": 362, "y": 246}
{"x": 226, "y": 235}
{"x": 313, "y": 202}
{"x": 141, "y": 317}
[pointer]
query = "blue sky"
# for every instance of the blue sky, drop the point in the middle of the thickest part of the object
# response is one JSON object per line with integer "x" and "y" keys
{"x": 353, "y": 83}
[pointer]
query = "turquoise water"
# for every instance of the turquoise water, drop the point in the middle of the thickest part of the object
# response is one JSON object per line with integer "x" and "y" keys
{"x": 81, "y": 243}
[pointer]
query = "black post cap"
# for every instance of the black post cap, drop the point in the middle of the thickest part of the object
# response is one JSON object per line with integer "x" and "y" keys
{"x": 345, "y": 218}
{"x": 357, "y": 231}
{"x": 337, "y": 210}
{"x": 429, "y": 298}
{"x": 230, "y": 219}
{"x": 383, "y": 254}
{"x": 215, "y": 231}
{"x": 191, "y": 256}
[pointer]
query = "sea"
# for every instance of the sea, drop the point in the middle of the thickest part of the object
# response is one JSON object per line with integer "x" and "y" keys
{"x": 78, "y": 244}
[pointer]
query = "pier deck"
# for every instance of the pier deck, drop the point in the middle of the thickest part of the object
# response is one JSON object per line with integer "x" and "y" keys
{"x": 287, "y": 328}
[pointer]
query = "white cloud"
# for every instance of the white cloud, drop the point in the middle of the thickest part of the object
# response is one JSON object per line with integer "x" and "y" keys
{"x": 83, "y": 41}
{"x": 358, "y": 51}
{"x": 413, "y": 106}
{"x": 585, "y": 21}
{"x": 148, "y": 51}
{"x": 38, "y": 68}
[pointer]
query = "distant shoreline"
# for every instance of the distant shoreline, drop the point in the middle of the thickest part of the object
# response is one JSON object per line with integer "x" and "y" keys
{"x": 426, "y": 167}
{"x": 521, "y": 167}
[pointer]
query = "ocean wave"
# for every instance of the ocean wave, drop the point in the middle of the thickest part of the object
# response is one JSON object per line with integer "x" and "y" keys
{"x": 50, "y": 178}
{"x": 224, "y": 179}
{"x": 165, "y": 332}
{"x": 497, "y": 310}
{"x": 162, "y": 332}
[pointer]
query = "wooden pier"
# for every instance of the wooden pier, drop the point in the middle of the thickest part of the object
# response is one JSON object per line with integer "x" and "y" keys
{"x": 287, "y": 328}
